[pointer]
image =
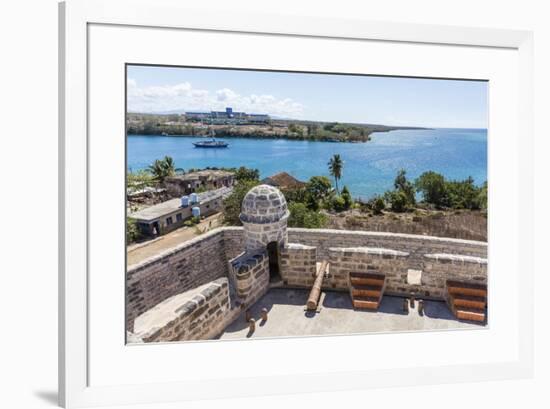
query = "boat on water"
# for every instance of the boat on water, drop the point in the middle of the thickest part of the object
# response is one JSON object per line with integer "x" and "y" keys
{"x": 212, "y": 143}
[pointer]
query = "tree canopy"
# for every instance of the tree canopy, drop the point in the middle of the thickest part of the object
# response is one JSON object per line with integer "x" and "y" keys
{"x": 301, "y": 216}
{"x": 244, "y": 173}
{"x": 319, "y": 187}
{"x": 232, "y": 204}
{"x": 433, "y": 188}
{"x": 346, "y": 195}
{"x": 402, "y": 198}
{"x": 457, "y": 194}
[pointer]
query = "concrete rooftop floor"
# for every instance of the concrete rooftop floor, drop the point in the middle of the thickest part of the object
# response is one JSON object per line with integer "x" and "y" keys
{"x": 287, "y": 317}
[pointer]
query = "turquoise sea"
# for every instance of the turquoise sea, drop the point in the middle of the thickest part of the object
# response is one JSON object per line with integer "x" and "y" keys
{"x": 369, "y": 168}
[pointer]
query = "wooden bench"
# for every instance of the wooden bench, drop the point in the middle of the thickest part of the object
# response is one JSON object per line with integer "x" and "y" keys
{"x": 468, "y": 301}
{"x": 366, "y": 289}
{"x": 359, "y": 279}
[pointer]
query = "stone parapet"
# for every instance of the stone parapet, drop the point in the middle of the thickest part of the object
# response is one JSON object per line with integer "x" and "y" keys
{"x": 415, "y": 245}
{"x": 374, "y": 251}
{"x": 211, "y": 256}
{"x": 344, "y": 260}
{"x": 180, "y": 269}
{"x": 433, "y": 256}
{"x": 455, "y": 259}
{"x": 440, "y": 268}
{"x": 298, "y": 265}
{"x": 251, "y": 276}
{"x": 179, "y": 318}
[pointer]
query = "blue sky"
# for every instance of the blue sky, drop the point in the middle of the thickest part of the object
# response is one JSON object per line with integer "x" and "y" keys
{"x": 320, "y": 97}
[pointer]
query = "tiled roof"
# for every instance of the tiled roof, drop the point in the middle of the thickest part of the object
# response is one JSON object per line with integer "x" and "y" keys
{"x": 284, "y": 181}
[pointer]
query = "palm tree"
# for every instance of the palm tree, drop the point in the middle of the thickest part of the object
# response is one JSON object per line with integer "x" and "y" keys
{"x": 157, "y": 170}
{"x": 335, "y": 166}
{"x": 161, "y": 169}
{"x": 169, "y": 166}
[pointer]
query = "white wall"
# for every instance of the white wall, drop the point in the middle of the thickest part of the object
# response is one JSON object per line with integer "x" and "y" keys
{"x": 28, "y": 95}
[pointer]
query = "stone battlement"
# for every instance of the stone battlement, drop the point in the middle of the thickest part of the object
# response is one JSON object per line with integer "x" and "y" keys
{"x": 386, "y": 253}
{"x": 223, "y": 254}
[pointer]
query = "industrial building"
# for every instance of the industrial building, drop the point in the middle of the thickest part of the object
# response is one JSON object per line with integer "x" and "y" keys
{"x": 228, "y": 117}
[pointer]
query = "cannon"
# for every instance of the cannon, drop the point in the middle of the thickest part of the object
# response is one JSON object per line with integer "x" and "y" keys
{"x": 315, "y": 293}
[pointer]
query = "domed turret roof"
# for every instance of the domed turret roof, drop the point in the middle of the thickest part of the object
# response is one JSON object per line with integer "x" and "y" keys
{"x": 263, "y": 204}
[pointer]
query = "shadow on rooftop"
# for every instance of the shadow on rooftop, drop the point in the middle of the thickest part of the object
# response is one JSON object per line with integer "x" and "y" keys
{"x": 438, "y": 310}
{"x": 274, "y": 296}
{"x": 334, "y": 300}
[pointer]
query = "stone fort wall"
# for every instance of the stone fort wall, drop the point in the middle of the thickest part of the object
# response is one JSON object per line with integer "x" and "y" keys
{"x": 439, "y": 259}
{"x": 207, "y": 258}
{"x": 184, "y": 267}
{"x": 201, "y": 317}
{"x": 415, "y": 245}
{"x": 298, "y": 265}
{"x": 250, "y": 273}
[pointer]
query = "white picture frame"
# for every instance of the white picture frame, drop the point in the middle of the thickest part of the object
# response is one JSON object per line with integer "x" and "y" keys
{"x": 76, "y": 18}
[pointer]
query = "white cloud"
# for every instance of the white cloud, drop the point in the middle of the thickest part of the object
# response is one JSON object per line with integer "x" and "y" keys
{"x": 226, "y": 95}
{"x": 184, "y": 97}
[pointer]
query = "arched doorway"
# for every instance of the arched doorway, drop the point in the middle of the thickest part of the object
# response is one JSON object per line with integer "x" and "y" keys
{"x": 274, "y": 258}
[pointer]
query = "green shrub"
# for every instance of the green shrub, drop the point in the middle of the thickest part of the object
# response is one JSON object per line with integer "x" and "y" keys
{"x": 193, "y": 221}
{"x": 133, "y": 233}
{"x": 463, "y": 194}
{"x": 338, "y": 203}
{"x": 433, "y": 188}
{"x": 346, "y": 195}
{"x": 139, "y": 180}
{"x": 244, "y": 173}
{"x": 295, "y": 195}
{"x": 398, "y": 201}
{"x": 456, "y": 194}
{"x": 402, "y": 184}
{"x": 232, "y": 204}
{"x": 319, "y": 187}
{"x": 403, "y": 197}
{"x": 301, "y": 216}
{"x": 482, "y": 197}
{"x": 378, "y": 205}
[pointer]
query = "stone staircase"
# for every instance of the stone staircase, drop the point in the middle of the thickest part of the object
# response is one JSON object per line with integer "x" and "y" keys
{"x": 467, "y": 301}
{"x": 366, "y": 290}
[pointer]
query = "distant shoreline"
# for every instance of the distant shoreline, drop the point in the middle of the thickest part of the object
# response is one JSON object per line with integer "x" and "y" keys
{"x": 262, "y": 137}
{"x": 178, "y": 126}
{"x": 230, "y": 135}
